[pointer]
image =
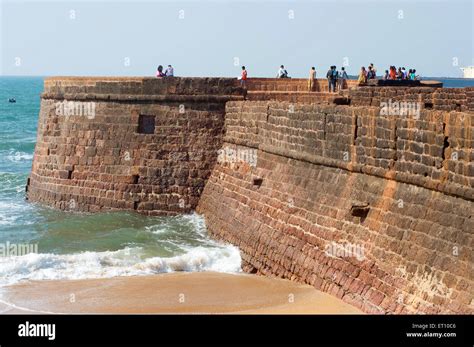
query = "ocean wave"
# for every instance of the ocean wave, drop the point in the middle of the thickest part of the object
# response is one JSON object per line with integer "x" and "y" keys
{"x": 7, "y": 220}
{"x": 12, "y": 183}
{"x": 124, "y": 262}
{"x": 11, "y": 211}
{"x": 192, "y": 221}
{"x": 158, "y": 229}
{"x": 18, "y": 156}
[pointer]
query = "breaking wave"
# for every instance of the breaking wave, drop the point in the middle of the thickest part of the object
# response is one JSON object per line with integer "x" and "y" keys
{"x": 125, "y": 262}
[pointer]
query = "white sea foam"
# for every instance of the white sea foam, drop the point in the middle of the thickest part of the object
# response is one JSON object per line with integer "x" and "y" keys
{"x": 10, "y": 212}
{"x": 7, "y": 220}
{"x": 157, "y": 229}
{"x": 125, "y": 262}
{"x": 10, "y": 205}
{"x": 194, "y": 221}
{"x": 19, "y": 156}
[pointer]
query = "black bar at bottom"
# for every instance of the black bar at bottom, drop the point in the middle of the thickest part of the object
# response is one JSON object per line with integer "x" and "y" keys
{"x": 406, "y": 330}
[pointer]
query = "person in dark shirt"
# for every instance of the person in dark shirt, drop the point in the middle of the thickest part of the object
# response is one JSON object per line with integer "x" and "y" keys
{"x": 332, "y": 75}
{"x": 342, "y": 78}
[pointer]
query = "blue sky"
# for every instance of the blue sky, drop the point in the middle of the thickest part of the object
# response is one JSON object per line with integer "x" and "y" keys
{"x": 213, "y": 38}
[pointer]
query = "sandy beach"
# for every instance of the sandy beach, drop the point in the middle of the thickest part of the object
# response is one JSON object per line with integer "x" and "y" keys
{"x": 196, "y": 292}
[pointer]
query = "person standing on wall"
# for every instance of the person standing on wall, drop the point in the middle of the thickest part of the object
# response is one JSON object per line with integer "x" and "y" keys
{"x": 342, "y": 78}
{"x": 362, "y": 76}
{"x": 312, "y": 79}
{"x": 243, "y": 78}
{"x": 331, "y": 75}
{"x": 335, "y": 77}
{"x": 328, "y": 76}
{"x": 243, "y": 82}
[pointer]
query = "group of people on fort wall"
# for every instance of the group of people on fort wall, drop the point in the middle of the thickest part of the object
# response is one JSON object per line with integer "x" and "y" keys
{"x": 336, "y": 79}
{"x": 391, "y": 74}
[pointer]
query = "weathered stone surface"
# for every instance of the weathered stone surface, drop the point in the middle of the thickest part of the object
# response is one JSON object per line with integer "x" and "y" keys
{"x": 414, "y": 251}
{"x": 373, "y": 208}
{"x": 91, "y": 162}
{"x": 316, "y": 163}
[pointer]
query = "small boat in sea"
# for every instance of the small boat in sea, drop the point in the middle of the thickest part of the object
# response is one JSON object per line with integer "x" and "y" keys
{"x": 12, "y": 100}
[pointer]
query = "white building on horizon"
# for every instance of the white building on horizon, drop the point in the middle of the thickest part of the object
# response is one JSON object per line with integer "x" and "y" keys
{"x": 468, "y": 71}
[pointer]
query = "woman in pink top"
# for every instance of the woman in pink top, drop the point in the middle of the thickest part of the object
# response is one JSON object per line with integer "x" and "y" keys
{"x": 159, "y": 72}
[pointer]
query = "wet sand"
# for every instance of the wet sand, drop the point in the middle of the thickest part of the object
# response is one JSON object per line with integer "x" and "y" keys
{"x": 204, "y": 292}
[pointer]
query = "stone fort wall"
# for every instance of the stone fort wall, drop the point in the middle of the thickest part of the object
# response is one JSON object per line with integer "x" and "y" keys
{"x": 148, "y": 145}
{"x": 376, "y": 210}
{"x": 319, "y": 188}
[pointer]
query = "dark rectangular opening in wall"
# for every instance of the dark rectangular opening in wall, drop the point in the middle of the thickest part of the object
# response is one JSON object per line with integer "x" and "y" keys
{"x": 146, "y": 124}
{"x": 69, "y": 174}
{"x": 135, "y": 179}
{"x": 428, "y": 105}
{"x": 135, "y": 205}
{"x": 342, "y": 101}
{"x": 257, "y": 181}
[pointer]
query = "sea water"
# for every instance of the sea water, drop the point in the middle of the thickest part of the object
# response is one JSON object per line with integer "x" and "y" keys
{"x": 80, "y": 245}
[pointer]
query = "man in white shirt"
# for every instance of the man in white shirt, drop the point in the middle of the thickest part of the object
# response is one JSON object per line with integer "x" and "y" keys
{"x": 282, "y": 73}
{"x": 169, "y": 71}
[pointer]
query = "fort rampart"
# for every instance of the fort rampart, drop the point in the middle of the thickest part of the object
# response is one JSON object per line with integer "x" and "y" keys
{"x": 369, "y": 202}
